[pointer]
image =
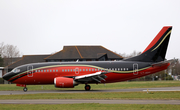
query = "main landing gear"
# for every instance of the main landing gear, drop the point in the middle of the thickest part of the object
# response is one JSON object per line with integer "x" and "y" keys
{"x": 25, "y": 89}
{"x": 87, "y": 87}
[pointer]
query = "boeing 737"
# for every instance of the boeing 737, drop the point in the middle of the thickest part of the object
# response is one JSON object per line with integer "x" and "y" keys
{"x": 70, "y": 74}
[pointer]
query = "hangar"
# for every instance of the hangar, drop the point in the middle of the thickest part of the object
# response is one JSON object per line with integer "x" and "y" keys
{"x": 69, "y": 54}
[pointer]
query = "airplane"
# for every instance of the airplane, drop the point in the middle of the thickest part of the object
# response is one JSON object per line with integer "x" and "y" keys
{"x": 71, "y": 74}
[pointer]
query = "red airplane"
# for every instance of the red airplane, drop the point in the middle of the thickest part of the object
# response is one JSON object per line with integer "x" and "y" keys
{"x": 70, "y": 74}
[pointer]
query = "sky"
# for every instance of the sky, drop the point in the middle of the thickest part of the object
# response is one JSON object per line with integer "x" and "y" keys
{"x": 122, "y": 26}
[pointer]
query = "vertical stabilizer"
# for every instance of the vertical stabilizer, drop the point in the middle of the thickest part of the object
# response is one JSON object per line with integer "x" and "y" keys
{"x": 156, "y": 50}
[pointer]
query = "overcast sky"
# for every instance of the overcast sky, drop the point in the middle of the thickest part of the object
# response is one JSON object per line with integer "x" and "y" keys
{"x": 45, "y": 26}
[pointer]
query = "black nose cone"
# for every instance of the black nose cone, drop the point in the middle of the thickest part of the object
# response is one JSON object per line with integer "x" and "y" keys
{"x": 7, "y": 76}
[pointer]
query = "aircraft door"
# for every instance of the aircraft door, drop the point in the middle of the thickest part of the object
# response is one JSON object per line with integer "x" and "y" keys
{"x": 30, "y": 71}
{"x": 135, "y": 69}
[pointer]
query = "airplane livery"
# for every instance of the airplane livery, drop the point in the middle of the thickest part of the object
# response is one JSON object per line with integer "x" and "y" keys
{"x": 70, "y": 74}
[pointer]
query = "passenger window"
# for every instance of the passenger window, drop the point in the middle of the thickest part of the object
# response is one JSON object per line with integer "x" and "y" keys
{"x": 68, "y": 70}
{"x": 89, "y": 69}
{"x": 92, "y": 69}
{"x": 53, "y": 70}
{"x": 62, "y": 70}
{"x": 79, "y": 69}
{"x": 56, "y": 70}
{"x": 41, "y": 70}
{"x": 83, "y": 69}
{"x": 47, "y": 70}
{"x": 71, "y": 69}
{"x": 50, "y": 70}
{"x": 86, "y": 69}
{"x": 95, "y": 69}
{"x": 65, "y": 70}
{"x": 44, "y": 70}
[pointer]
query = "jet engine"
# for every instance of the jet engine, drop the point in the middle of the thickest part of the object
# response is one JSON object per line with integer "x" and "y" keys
{"x": 63, "y": 82}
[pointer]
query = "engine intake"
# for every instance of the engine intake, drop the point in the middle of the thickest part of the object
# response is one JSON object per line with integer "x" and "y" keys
{"x": 62, "y": 82}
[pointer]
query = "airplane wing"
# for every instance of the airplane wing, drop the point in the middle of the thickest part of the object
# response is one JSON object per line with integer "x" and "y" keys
{"x": 172, "y": 63}
{"x": 97, "y": 77}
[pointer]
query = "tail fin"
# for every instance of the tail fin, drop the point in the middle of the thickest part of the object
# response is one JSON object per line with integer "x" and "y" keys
{"x": 156, "y": 50}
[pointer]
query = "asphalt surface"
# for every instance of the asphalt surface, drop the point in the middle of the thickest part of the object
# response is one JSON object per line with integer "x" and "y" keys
{"x": 83, "y": 91}
{"x": 73, "y": 101}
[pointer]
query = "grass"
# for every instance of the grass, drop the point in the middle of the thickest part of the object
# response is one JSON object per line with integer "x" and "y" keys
{"x": 89, "y": 106}
{"x": 95, "y": 95}
{"x": 98, "y": 95}
{"x": 120, "y": 85}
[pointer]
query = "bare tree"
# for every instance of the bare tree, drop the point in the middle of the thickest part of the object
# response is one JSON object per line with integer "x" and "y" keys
{"x": 134, "y": 53}
{"x": 11, "y": 51}
{"x": 8, "y": 52}
{"x": 2, "y": 48}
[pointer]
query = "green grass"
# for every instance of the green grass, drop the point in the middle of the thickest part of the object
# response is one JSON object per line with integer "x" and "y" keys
{"x": 120, "y": 85}
{"x": 98, "y": 95}
{"x": 89, "y": 106}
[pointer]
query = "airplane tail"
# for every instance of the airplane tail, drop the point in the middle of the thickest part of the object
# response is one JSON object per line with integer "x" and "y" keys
{"x": 156, "y": 50}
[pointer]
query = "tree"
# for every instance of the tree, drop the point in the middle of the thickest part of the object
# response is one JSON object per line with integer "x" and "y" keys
{"x": 1, "y": 61}
{"x": 134, "y": 53}
{"x": 8, "y": 52}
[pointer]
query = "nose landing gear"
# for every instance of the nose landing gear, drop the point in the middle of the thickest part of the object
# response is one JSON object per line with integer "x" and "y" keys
{"x": 22, "y": 85}
{"x": 25, "y": 89}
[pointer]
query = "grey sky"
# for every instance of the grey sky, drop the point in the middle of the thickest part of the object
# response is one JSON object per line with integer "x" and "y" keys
{"x": 45, "y": 26}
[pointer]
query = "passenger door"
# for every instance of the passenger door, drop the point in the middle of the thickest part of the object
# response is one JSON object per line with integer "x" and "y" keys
{"x": 135, "y": 69}
{"x": 30, "y": 71}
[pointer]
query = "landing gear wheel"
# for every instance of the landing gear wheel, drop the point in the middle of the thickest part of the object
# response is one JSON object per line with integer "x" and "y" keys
{"x": 25, "y": 89}
{"x": 87, "y": 87}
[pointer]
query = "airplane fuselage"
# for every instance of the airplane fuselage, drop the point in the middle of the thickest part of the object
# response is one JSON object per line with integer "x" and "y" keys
{"x": 44, "y": 73}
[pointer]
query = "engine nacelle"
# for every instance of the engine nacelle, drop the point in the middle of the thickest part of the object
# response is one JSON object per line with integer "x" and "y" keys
{"x": 62, "y": 82}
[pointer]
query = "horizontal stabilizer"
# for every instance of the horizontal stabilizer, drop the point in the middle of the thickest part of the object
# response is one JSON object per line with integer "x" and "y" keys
{"x": 172, "y": 62}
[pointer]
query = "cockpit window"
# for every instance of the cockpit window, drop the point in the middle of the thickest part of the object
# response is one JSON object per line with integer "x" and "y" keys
{"x": 16, "y": 70}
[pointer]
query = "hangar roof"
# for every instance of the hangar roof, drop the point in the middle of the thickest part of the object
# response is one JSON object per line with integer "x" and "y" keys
{"x": 28, "y": 59}
{"x": 83, "y": 52}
